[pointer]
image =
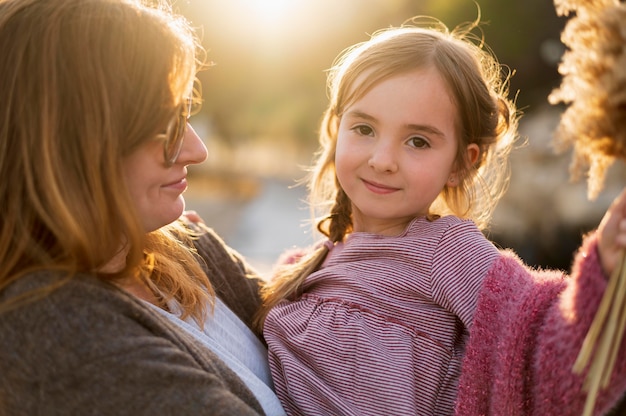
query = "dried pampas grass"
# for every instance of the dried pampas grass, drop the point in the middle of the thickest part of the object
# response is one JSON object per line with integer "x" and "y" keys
{"x": 594, "y": 123}
{"x": 593, "y": 87}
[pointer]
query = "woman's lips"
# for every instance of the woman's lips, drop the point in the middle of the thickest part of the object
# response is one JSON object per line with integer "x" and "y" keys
{"x": 179, "y": 185}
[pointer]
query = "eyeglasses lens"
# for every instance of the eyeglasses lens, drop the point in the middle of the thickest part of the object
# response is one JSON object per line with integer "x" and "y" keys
{"x": 176, "y": 134}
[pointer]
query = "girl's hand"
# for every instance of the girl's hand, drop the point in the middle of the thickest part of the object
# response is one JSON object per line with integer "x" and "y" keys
{"x": 612, "y": 234}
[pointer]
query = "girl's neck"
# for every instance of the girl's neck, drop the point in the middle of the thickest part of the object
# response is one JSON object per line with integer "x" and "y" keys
{"x": 385, "y": 228}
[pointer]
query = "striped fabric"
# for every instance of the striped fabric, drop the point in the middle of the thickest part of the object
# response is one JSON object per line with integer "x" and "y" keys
{"x": 381, "y": 328}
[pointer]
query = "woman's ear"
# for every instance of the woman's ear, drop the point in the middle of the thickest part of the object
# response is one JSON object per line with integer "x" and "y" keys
{"x": 471, "y": 157}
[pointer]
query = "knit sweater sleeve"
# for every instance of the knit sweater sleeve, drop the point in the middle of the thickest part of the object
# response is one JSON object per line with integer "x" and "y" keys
{"x": 528, "y": 328}
{"x": 561, "y": 336}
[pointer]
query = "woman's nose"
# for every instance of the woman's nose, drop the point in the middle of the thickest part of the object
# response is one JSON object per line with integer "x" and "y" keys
{"x": 193, "y": 150}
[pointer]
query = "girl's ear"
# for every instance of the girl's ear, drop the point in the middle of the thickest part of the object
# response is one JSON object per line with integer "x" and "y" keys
{"x": 472, "y": 153}
{"x": 471, "y": 157}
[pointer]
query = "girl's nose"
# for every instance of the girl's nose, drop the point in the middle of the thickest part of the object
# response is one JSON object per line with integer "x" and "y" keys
{"x": 382, "y": 158}
{"x": 193, "y": 150}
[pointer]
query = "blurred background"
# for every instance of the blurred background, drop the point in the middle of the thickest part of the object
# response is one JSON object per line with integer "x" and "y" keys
{"x": 265, "y": 94}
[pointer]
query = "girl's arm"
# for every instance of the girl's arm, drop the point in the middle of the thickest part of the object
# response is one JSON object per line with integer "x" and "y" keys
{"x": 529, "y": 328}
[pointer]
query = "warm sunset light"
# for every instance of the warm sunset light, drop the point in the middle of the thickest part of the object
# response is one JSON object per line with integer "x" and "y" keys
{"x": 262, "y": 18}
{"x": 268, "y": 12}
{"x": 264, "y": 97}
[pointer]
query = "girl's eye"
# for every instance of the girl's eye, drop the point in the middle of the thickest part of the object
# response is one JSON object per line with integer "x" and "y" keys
{"x": 363, "y": 130}
{"x": 418, "y": 142}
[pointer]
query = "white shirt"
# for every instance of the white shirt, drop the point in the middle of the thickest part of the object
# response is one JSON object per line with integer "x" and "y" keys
{"x": 231, "y": 340}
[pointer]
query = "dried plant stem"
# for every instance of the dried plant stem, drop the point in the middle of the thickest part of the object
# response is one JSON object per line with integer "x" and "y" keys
{"x": 604, "y": 337}
{"x": 619, "y": 311}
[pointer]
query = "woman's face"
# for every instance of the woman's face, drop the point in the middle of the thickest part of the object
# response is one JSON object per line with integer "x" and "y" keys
{"x": 156, "y": 188}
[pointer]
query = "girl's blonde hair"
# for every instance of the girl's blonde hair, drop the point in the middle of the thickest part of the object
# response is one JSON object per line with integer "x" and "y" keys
{"x": 593, "y": 87}
{"x": 487, "y": 118}
{"x": 83, "y": 83}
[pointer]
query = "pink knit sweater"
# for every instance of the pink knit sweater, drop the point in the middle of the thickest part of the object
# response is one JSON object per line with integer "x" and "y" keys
{"x": 528, "y": 328}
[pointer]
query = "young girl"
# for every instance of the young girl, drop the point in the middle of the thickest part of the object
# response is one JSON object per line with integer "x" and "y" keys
{"x": 415, "y": 144}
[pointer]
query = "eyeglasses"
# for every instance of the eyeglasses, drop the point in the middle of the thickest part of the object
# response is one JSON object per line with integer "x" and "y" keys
{"x": 175, "y": 134}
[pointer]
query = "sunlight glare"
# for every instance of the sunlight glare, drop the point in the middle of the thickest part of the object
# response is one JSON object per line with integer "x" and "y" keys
{"x": 269, "y": 12}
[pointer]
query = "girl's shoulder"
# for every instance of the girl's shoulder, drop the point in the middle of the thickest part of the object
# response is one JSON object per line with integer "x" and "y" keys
{"x": 420, "y": 231}
{"x": 451, "y": 235}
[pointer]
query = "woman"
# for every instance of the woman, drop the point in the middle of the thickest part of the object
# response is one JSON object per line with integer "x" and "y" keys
{"x": 107, "y": 302}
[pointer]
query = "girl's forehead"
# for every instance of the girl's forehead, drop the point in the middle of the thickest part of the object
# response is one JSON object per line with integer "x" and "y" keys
{"x": 411, "y": 98}
{"x": 356, "y": 84}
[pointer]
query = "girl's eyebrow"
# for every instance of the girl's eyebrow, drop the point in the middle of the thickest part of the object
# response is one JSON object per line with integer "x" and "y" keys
{"x": 426, "y": 128}
{"x": 360, "y": 114}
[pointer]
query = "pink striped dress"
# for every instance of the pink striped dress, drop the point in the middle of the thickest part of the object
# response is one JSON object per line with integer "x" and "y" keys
{"x": 381, "y": 328}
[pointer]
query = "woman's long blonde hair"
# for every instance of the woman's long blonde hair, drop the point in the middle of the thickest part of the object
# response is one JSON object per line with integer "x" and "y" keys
{"x": 82, "y": 84}
{"x": 479, "y": 87}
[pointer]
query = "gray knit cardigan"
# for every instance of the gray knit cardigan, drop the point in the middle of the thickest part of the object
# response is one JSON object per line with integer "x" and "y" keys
{"x": 91, "y": 349}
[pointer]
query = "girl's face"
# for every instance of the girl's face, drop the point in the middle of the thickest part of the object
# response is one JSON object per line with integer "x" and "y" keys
{"x": 396, "y": 150}
{"x": 156, "y": 188}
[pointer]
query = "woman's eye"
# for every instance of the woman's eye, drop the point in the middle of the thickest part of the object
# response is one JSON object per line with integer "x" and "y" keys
{"x": 418, "y": 142}
{"x": 363, "y": 130}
